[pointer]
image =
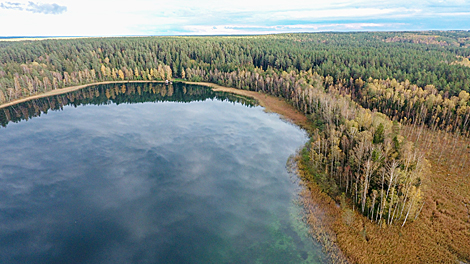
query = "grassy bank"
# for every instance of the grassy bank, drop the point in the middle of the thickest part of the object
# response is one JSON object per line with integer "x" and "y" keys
{"x": 441, "y": 234}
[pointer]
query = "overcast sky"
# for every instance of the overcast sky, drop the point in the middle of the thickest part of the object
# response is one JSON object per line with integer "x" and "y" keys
{"x": 209, "y": 17}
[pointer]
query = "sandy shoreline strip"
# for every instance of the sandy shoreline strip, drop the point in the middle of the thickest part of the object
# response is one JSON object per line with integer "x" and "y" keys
{"x": 269, "y": 102}
{"x": 66, "y": 90}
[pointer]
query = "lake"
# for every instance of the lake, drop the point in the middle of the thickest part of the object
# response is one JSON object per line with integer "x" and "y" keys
{"x": 148, "y": 173}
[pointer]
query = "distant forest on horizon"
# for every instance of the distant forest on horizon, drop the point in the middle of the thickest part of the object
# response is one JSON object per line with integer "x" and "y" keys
{"x": 422, "y": 58}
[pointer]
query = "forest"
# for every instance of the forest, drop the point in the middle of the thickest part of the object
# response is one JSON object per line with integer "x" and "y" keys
{"x": 367, "y": 95}
{"x": 36, "y": 66}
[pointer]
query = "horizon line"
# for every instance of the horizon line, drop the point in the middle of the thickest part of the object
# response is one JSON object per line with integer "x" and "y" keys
{"x": 6, "y": 38}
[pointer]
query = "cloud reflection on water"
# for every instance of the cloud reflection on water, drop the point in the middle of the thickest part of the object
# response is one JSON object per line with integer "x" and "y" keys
{"x": 165, "y": 182}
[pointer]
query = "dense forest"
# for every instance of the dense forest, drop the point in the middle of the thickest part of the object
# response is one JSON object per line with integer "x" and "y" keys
{"x": 358, "y": 88}
{"x": 36, "y": 66}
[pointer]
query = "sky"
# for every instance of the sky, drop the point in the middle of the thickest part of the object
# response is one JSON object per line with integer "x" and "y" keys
{"x": 222, "y": 17}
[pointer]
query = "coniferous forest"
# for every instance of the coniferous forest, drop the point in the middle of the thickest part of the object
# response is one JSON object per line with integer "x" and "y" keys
{"x": 370, "y": 97}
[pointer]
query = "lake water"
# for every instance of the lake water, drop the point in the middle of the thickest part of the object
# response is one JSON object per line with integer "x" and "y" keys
{"x": 144, "y": 173}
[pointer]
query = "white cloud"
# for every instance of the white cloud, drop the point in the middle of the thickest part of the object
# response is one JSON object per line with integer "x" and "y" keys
{"x": 248, "y": 29}
{"x": 41, "y": 8}
{"x": 148, "y": 17}
{"x": 334, "y": 13}
{"x": 454, "y": 14}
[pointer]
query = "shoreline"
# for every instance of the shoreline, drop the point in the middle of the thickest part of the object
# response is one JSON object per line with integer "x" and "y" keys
{"x": 269, "y": 102}
{"x": 66, "y": 90}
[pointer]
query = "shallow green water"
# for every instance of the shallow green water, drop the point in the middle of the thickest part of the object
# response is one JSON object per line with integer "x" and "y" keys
{"x": 149, "y": 174}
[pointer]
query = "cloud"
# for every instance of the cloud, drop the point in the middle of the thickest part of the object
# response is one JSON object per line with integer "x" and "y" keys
{"x": 334, "y": 13}
{"x": 249, "y": 29}
{"x": 10, "y": 5}
{"x": 40, "y": 8}
{"x": 46, "y": 8}
{"x": 176, "y": 17}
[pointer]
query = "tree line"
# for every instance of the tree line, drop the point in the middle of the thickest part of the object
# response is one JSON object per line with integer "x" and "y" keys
{"x": 31, "y": 67}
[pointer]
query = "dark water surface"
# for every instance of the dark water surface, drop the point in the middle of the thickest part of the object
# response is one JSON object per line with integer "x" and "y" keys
{"x": 131, "y": 174}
